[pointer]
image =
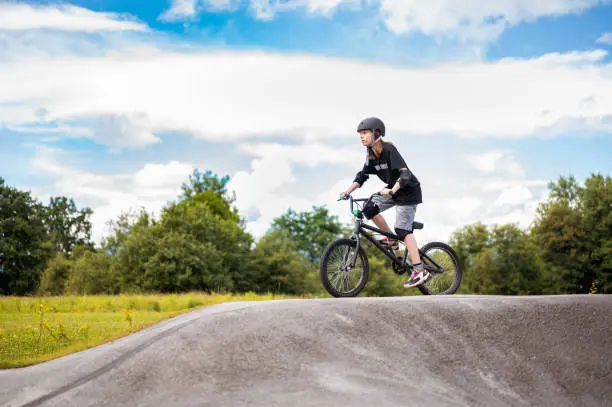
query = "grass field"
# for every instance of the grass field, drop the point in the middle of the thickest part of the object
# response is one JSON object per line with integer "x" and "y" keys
{"x": 36, "y": 329}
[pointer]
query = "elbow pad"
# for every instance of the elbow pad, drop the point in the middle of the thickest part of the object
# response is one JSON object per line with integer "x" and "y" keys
{"x": 404, "y": 178}
{"x": 361, "y": 177}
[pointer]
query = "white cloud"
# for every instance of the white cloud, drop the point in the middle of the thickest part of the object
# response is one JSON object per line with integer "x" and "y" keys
{"x": 179, "y": 10}
{"x": 262, "y": 9}
{"x": 263, "y": 190}
{"x": 108, "y": 195}
{"x": 605, "y": 38}
{"x": 254, "y": 94}
{"x": 123, "y": 130}
{"x": 445, "y": 211}
{"x": 13, "y": 114}
{"x": 65, "y": 17}
{"x": 465, "y": 20}
{"x": 310, "y": 154}
{"x": 516, "y": 206}
{"x": 514, "y": 196}
{"x": 469, "y": 20}
{"x": 485, "y": 162}
{"x": 497, "y": 184}
{"x": 497, "y": 161}
{"x": 325, "y": 6}
{"x": 267, "y": 9}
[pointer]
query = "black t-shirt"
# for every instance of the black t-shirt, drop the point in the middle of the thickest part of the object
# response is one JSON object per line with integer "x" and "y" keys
{"x": 387, "y": 168}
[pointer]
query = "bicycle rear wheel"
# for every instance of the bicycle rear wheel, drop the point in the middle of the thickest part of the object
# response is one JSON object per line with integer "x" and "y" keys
{"x": 337, "y": 280}
{"x": 444, "y": 268}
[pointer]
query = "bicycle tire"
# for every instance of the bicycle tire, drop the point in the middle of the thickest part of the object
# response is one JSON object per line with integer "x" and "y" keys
{"x": 323, "y": 268}
{"x": 459, "y": 272}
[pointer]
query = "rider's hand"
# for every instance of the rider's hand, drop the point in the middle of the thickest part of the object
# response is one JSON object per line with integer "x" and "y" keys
{"x": 385, "y": 192}
{"x": 343, "y": 194}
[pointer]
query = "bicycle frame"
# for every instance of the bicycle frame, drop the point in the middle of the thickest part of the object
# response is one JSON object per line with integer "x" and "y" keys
{"x": 361, "y": 230}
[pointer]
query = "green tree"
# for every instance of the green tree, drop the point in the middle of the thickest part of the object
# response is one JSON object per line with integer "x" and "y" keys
{"x": 482, "y": 272}
{"x": 66, "y": 225}
{"x": 133, "y": 243}
{"x": 181, "y": 263}
{"x": 277, "y": 266}
{"x": 311, "y": 230}
{"x": 558, "y": 232}
{"x": 198, "y": 242}
{"x": 200, "y": 182}
{"x": 469, "y": 242}
{"x": 517, "y": 268}
{"x": 225, "y": 229}
{"x": 24, "y": 247}
{"x": 596, "y": 208}
{"x": 572, "y": 230}
{"x": 499, "y": 260}
{"x": 223, "y": 235}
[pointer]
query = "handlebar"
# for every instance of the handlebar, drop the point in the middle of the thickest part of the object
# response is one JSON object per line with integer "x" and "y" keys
{"x": 351, "y": 199}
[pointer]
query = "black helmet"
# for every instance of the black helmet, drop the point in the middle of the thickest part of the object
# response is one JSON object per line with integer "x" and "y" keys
{"x": 374, "y": 124}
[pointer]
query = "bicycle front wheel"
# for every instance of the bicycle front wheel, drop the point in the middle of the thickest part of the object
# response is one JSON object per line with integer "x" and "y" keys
{"x": 336, "y": 275}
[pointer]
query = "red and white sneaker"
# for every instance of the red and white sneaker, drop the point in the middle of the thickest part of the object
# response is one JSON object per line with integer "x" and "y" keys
{"x": 418, "y": 277}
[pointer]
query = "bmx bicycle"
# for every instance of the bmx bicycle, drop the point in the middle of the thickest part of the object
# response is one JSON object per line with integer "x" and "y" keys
{"x": 338, "y": 265}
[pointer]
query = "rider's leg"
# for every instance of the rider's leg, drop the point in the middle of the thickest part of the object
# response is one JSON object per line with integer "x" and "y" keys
{"x": 373, "y": 211}
{"x": 381, "y": 223}
{"x": 413, "y": 249}
{"x": 403, "y": 228}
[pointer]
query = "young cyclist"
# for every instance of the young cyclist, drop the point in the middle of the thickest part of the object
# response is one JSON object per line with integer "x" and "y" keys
{"x": 402, "y": 191}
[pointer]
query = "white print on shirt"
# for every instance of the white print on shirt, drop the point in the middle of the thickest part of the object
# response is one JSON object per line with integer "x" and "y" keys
{"x": 384, "y": 166}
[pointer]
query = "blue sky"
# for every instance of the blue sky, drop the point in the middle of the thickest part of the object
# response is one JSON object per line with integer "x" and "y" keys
{"x": 328, "y": 34}
{"x": 116, "y": 112}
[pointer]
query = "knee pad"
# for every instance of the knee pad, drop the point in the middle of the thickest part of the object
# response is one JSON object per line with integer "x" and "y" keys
{"x": 371, "y": 210}
{"x": 402, "y": 233}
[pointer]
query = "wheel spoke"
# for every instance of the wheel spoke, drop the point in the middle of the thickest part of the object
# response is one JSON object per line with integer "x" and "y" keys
{"x": 336, "y": 277}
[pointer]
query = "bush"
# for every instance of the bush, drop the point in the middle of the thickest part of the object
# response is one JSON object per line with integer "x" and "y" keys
{"x": 55, "y": 275}
{"x": 154, "y": 306}
{"x": 93, "y": 273}
{"x": 194, "y": 302}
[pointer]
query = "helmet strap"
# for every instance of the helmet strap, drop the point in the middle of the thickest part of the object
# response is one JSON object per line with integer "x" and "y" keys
{"x": 375, "y": 140}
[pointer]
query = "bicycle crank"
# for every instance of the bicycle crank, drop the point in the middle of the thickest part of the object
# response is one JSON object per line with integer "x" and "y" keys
{"x": 399, "y": 270}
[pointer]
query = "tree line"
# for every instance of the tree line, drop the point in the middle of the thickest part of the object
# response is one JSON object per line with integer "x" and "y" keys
{"x": 566, "y": 250}
{"x": 199, "y": 242}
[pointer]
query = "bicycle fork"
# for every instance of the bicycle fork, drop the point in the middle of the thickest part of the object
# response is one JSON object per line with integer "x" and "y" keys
{"x": 355, "y": 237}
